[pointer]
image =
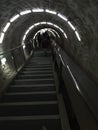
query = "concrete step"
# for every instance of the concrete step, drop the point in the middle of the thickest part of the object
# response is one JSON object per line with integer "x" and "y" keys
{"x": 33, "y": 81}
{"x": 29, "y": 108}
{"x": 29, "y": 96}
{"x": 40, "y": 122}
{"x": 31, "y": 89}
{"x": 37, "y": 76}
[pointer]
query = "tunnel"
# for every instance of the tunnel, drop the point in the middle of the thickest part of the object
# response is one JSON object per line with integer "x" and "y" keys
{"x": 48, "y": 65}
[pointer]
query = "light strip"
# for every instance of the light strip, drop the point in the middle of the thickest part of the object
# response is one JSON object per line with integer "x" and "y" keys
{"x": 70, "y": 24}
{"x": 55, "y": 26}
{"x": 50, "y": 23}
{"x": 1, "y": 37}
{"x": 65, "y": 35}
{"x": 77, "y": 35}
{"x": 36, "y": 24}
{"x": 27, "y": 31}
{"x": 77, "y": 86}
{"x": 62, "y": 17}
{"x": 3, "y": 61}
{"x": 14, "y": 18}
{"x": 24, "y": 37}
{"x": 50, "y": 11}
{"x": 25, "y": 12}
{"x": 43, "y": 22}
{"x": 24, "y": 46}
{"x": 37, "y": 10}
{"x": 31, "y": 27}
{"x": 6, "y": 27}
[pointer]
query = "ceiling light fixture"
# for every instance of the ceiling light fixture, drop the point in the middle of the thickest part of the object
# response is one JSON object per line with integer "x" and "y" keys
{"x": 6, "y": 27}
{"x": 70, "y": 24}
{"x": 77, "y": 35}
{"x": 37, "y": 10}
{"x": 50, "y": 11}
{"x": 1, "y": 37}
{"x": 62, "y": 17}
{"x": 25, "y": 12}
{"x": 3, "y": 61}
{"x": 14, "y": 18}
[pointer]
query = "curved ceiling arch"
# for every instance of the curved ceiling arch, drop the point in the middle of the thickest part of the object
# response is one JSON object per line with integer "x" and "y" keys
{"x": 42, "y": 23}
{"x": 47, "y": 29}
{"x": 36, "y": 10}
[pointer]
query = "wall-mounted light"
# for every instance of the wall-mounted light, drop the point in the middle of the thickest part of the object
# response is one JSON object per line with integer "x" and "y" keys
{"x": 24, "y": 37}
{"x": 3, "y": 61}
{"x": 43, "y": 22}
{"x": 27, "y": 31}
{"x": 31, "y": 27}
{"x": 36, "y": 24}
{"x": 70, "y": 24}
{"x": 49, "y": 23}
{"x": 1, "y": 37}
{"x": 50, "y": 11}
{"x": 24, "y": 46}
{"x": 77, "y": 35}
{"x": 37, "y": 10}
{"x": 14, "y": 18}
{"x": 6, "y": 27}
{"x": 62, "y": 17}
{"x": 65, "y": 35}
{"x": 25, "y": 12}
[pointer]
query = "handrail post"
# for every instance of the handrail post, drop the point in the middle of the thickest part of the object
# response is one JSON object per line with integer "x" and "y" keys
{"x": 60, "y": 76}
{"x": 23, "y": 54}
{"x": 14, "y": 61}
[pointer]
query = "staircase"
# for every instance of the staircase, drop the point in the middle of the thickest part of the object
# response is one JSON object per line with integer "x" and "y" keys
{"x": 30, "y": 102}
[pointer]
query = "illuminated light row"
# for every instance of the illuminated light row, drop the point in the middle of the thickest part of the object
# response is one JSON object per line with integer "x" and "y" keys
{"x": 37, "y": 10}
{"x": 45, "y": 29}
{"x": 41, "y": 23}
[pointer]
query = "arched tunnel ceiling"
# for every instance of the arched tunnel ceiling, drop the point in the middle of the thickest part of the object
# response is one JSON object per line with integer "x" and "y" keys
{"x": 82, "y": 13}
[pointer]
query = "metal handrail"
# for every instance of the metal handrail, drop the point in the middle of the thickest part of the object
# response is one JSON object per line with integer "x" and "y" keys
{"x": 10, "y": 50}
{"x": 6, "y": 52}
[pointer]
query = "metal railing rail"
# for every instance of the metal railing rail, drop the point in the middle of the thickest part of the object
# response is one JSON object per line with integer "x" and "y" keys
{"x": 12, "y": 51}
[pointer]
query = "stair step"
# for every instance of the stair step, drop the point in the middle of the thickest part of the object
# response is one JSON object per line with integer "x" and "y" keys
{"x": 31, "y": 89}
{"x": 36, "y": 72}
{"x": 27, "y": 103}
{"x": 33, "y": 81}
{"x": 27, "y": 109}
{"x": 37, "y": 76}
{"x": 24, "y": 97}
{"x": 31, "y": 93}
{"x": 38, "y": 65}
{"x": 34, "y": 85}
{"x": 43, "y": 122}
{"x": 31, "y": 69}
